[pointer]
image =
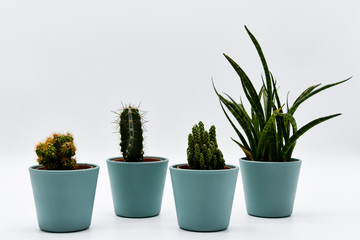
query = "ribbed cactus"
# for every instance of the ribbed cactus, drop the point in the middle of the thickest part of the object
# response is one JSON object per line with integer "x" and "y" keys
{"x": 202, "y": 151}
{"x": 57, "y": 152}
{"x": 130, "y": 123}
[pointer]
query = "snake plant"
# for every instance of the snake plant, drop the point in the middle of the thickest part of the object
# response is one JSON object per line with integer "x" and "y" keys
{"x": 269, "y": 133}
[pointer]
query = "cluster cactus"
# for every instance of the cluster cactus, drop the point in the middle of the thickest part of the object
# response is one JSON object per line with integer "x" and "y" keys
{"x": 57, "y": 152}
{"x": 131, "y": 134}
{"x": 203, "y": 152}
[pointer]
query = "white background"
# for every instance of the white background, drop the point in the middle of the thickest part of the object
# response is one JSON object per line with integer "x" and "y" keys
{"x": 66, "y": 65}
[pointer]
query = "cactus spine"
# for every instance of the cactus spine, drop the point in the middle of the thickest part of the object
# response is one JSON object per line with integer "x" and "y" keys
{"x": 131, "y": 133}
{"x": 202, "y": 151}
{"x": 57, "y": 152}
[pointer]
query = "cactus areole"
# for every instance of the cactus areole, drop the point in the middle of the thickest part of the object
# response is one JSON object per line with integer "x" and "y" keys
{"x": 130, "y": 123}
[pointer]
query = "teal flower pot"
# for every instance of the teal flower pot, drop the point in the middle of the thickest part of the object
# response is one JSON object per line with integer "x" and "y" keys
{"x": 137, "y": 187}
{"x": 203, "y": 198}
{"x": 64, "y": 199}
{"x": 270, "y": 187}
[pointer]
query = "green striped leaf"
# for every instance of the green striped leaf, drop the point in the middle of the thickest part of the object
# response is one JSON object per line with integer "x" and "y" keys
{"x": 248, "y": 88}
{"x": 290, "y": 119}
{"x": 241, "y": 109}
{"x": 239, "y": 116}
{"x": 246, "y": 151}
{"x": 306, "y": 92}
{"x": 265, "y": 133}
{"x": 243, "y": 140}
{"x": 276, "y": 95}
{"x": 312, "y": 93}
{"x": 303, "y": 130}
{"x": 266, "y": 70}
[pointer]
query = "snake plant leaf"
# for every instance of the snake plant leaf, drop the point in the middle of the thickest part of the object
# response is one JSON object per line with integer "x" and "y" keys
{"x": 246, "y": 151}
{"x": 312, "y": 93}
{"x": 256, "y": 124}
{"x": 287, "y": 102}
{"x": 284, "y": 122}
{"x": 303, "y": 130}
{"x": 243, "y": 140}
{"x": 266, "y": 70}
{"x": 274, "y": 144}
{"x": 283, "y": 132}
{"x": 276, "y": 95}
{"x": 248, "y": 88}
{"x": 241, "y": 108}
{"x": 238, "y": 115}
{"x": 265, "y": 133}
{"x": 306, "y": 92}
{"x": 289, "y": 153}
{"x": 244, "y": 123}
{"x": 291, "y": 119}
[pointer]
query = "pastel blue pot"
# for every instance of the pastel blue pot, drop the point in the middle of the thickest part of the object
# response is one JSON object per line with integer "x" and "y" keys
{"x": 137, "y": 187}
{"x": 270, "y": 187}
{"x": 203, "y": 198}
{"x": 64, "y": 199}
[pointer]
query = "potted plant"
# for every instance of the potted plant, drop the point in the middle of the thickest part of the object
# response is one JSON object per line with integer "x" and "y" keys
{"x": 269, "y": 172}
{"x": 203, "y": 188}
{"x": 137, "y": 181}
{"x": 63, "y": 190}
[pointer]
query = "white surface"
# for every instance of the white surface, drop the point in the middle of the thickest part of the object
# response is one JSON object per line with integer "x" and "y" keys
{"x": 65, "y": 65}
{"x": 327, "y": 206}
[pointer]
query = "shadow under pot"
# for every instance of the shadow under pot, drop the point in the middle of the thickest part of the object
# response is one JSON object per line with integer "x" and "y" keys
{"x": 203, "y": 198}
{"x": 137, "y": 187}
{"x": 64, "y": 199}
{"x": 270, "y": 187}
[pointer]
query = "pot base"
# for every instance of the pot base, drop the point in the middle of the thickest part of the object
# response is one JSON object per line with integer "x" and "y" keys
{"x": 204, "y": 231}
{"x": 63, "y": 231}
{"x": 259, "y": 216}
{"x": 135, "y": 217}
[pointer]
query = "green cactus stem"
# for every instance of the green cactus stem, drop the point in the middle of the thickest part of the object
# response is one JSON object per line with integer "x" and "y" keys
{"x": 131, "y": 133}
{"x": 57, "y": 152}
{"x": 202, "y": 151}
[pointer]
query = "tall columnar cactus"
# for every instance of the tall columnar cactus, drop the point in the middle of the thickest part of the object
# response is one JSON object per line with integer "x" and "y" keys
{"x": 130, "y": 123}
{"x": 202, "y": 151}
{"x": 57, "y": 152}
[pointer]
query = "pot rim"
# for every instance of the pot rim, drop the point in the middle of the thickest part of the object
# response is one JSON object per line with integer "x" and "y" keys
{"x": 215, "y": 171}
{"x": 162, "y": 160}
{"x": 94, "y": 167}
{"x": 292, "y": 161}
